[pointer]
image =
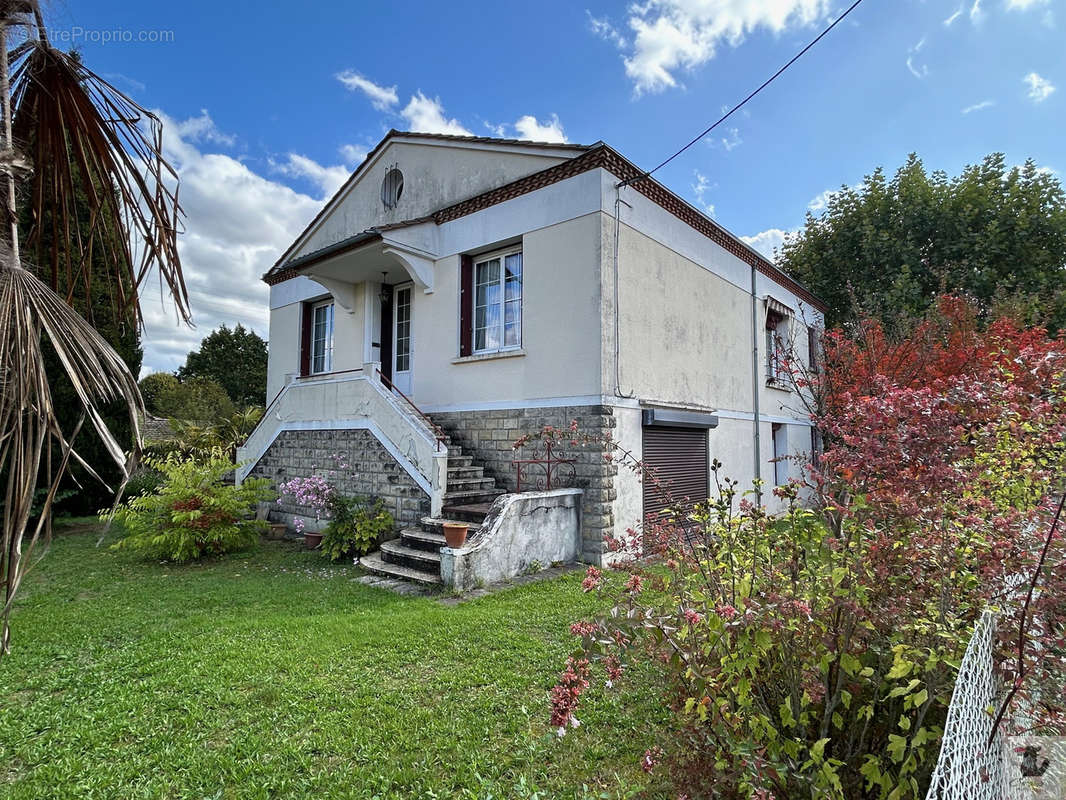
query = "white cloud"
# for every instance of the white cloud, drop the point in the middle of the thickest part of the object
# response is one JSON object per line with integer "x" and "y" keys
{"x": 950, "y": 20}
{"x": 353, "y": 154}
{"x": 977, "y": 15}
{"x": 383, "y": 98}
{"x": 979, "y": 106}
{"x": 603, "y": 28}
{"x": 426, "y": 115}
{"x": 549, "y": 131}
{"x": 1040, "y": 89}
{"x": 917, "y": 70}
{"x": 732, "y": 141}
{"x": 767, "y": 241}
{"x": 1025, "y": 5}
{"x": 820, "y": 202}
{"x": 327, "y": 179}
{"x": 700, "y": 188}
{"x": 674, "y": 35}
{"x": 236, "y": 225}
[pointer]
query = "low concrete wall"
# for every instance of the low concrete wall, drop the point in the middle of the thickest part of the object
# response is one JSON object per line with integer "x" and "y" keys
{"x": 521, "y": 530}
{"x": 487, "y": 435}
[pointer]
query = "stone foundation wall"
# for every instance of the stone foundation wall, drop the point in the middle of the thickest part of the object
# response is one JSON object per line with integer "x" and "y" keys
{"x": 488, "y": 436}
{"x": 372, "y": 472}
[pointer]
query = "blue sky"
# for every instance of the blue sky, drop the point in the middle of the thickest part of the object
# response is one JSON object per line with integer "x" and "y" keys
{"x": 269, "y": 107}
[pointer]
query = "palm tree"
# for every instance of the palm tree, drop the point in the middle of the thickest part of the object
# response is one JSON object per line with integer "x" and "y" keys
{"x": 87, "y": 163}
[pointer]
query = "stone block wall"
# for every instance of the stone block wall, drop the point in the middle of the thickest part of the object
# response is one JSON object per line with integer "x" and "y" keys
{"x": 488, "y": 436}
{"x": 372, "y": 472}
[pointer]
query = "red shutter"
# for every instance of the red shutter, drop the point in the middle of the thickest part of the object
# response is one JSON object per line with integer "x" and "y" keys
{"x": 305, "y": 339}
{"x": 466, "y": 305}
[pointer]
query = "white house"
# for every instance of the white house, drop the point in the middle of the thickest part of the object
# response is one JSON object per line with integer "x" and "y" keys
{"x": 476, "y": 289}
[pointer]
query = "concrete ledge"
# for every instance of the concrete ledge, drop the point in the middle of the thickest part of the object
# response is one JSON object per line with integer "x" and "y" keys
{"x": 520, "y": 532}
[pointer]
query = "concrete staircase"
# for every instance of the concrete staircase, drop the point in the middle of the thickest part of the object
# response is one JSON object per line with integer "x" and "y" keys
{"x": 415, "y": 556}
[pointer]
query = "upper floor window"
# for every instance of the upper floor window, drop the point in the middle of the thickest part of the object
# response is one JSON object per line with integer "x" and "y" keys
{"x": 322, "y": 337}
{"x": 814, "y": 348}
{"x": 497, "y": 323}
{"x": 777, "y": 328}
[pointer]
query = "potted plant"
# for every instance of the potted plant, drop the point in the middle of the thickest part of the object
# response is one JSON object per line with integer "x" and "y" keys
{"x": 312, "y": 540}
{"x": 455, "y": 534}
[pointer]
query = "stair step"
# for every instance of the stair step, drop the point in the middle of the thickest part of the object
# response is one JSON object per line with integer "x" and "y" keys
{"x": 467, "y": 512}
{"x": 425, "y": 540}
{"x": 469, "y": 484}
{"x": 458, "y": 460}
{"x": 395, "y": 552}
{"x": 471, "y": 495}
{"x": 435, "y": 525}
{"x": 465, "y": 472}
{"x": 374, "y": 563}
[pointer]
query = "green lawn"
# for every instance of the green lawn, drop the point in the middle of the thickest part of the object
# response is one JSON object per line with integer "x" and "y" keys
{"x": 271, "y": 674}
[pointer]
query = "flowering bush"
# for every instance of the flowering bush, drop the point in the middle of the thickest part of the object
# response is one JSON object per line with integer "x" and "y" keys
{"x": 813, "y": 654}
{"x": 354, "y": 524}
{"x": 193, "y": 512}
{"x": 314, "y": 492}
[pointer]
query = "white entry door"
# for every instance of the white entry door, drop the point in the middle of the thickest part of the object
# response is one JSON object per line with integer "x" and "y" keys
{"x": 401, "y": 337}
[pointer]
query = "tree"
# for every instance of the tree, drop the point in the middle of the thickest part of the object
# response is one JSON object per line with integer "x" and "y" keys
{"x": 236, "y": 360}
{"x": 88, "y": 155}
{"x": 156, "y": 389}
{"x": 887, "y": 248}
{"x": 197, "y": 400}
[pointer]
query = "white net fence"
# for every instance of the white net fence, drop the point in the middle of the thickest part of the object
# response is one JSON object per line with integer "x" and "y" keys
{"x": 970, "y": 767}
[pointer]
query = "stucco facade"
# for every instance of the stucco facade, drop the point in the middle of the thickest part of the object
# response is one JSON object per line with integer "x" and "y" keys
{"x": 630, "y": 300}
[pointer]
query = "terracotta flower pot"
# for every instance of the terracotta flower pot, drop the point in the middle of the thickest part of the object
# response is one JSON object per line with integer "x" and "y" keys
{"x": 312, "y": 540}
{"x": 455, "y": 534}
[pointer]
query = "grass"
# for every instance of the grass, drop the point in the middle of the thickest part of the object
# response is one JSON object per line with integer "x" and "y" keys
{"x": 273, "y": 674}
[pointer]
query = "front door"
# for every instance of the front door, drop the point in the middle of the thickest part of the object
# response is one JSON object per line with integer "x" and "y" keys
{"x": 401, "y": 338}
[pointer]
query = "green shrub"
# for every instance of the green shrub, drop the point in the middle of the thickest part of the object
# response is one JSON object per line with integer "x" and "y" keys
{"x": 356, "y": 524}
{"x": 193, "y": 513}
{"x": 143, "y": 480}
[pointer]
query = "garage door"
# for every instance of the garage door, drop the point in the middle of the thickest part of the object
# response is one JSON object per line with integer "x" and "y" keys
{"x": 679, "y": 457}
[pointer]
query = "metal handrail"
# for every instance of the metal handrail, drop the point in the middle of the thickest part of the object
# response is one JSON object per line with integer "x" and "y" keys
{"x": 438, "y": 433}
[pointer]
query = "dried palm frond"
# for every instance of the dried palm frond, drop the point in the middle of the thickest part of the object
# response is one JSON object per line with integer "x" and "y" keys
{"x": 96, "y": 182}
{"x": 31, "y": 315}
{"x": 99, "y": 180}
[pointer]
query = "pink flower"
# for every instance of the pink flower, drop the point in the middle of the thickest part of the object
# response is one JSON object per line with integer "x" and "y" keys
{"x": 634, "y": 584}
{"x": 691, "y": 617}
{"x": 583, "y": 628}
{"x": 652, "y": 756}
{"x": 593, "y": 578}
{"x": 726, "y": 612}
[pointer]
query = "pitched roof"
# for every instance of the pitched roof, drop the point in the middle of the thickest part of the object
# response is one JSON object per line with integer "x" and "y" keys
{"x": 599, "y": 155}
{"x": 393, "y": 134}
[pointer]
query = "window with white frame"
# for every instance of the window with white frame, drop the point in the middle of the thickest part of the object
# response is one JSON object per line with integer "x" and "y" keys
{"x": 498, "y": 302}
{"x": 777, "y": 331}
{"x": 780, "y": 438}
{"x": 403, "y": 329}
{"x": 322, "y": 337}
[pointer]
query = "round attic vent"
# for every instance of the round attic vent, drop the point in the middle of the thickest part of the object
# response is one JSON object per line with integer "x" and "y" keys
{"x": 391, "y": 187}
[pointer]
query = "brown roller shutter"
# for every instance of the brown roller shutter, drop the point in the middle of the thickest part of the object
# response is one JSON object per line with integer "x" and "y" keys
{"x": 466, "y": 305}
{"x": 680, "y": 459}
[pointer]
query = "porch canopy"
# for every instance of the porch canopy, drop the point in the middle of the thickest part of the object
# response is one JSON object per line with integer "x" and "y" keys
{"x": 370, "y": 256}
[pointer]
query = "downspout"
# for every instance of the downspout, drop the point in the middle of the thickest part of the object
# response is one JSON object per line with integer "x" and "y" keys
{"x": 617, "y": 340}
{"x": 755, "y": 383}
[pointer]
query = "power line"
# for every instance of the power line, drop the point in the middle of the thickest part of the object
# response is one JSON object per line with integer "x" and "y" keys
{"x": 741, "y": 104}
